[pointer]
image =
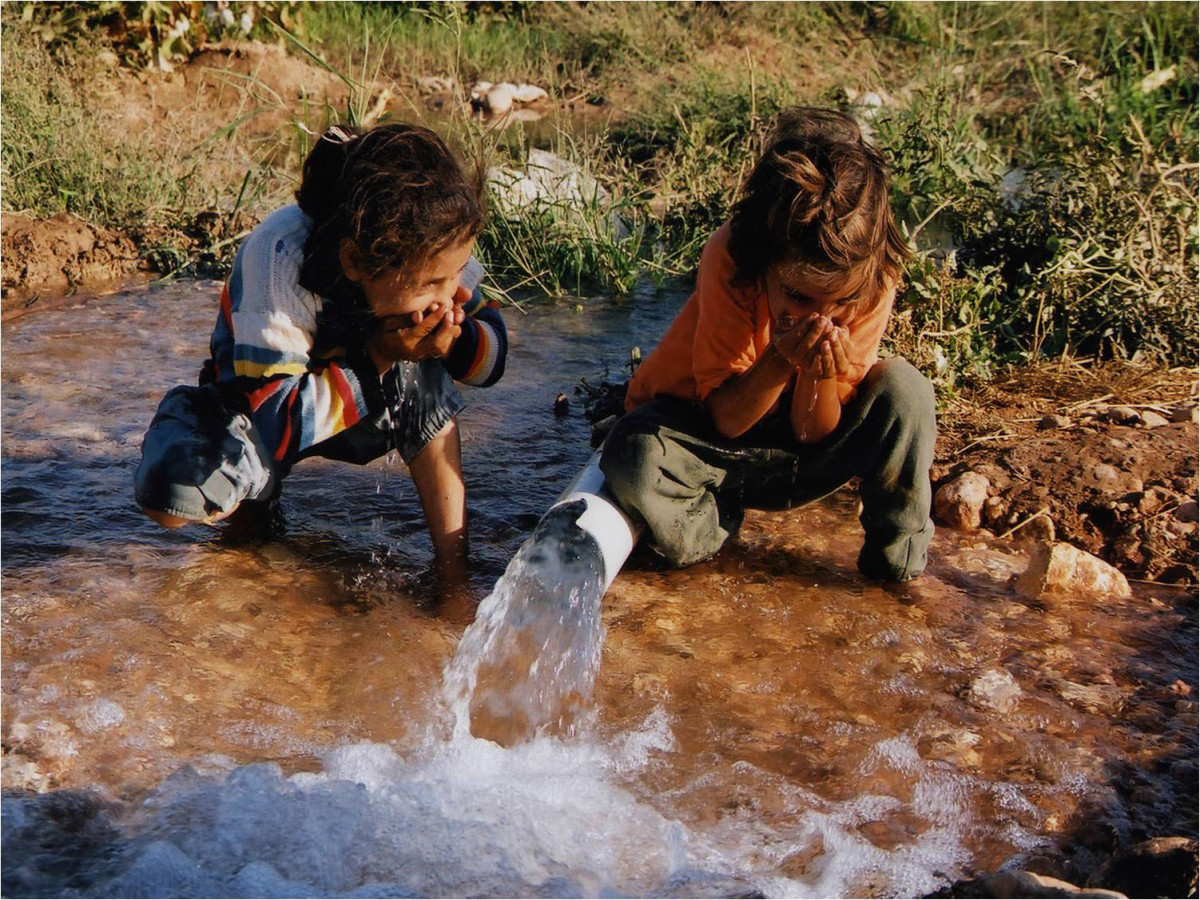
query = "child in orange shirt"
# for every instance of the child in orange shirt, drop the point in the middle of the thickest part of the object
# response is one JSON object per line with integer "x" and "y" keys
{"x": 767, "y": 391}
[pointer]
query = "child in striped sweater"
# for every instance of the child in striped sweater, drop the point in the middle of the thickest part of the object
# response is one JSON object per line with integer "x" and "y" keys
{"x": 342, "y": 327}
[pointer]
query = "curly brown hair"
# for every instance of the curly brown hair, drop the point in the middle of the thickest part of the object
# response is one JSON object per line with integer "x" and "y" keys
{"x": 817, "y": 200}
{"x": 396, "y": 193}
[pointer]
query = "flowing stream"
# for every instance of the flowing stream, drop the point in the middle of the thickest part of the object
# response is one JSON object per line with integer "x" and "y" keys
{"x": 188, "y": 716}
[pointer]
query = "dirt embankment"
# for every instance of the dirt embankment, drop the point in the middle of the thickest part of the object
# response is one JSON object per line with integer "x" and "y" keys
{"x": 256, "y": 85}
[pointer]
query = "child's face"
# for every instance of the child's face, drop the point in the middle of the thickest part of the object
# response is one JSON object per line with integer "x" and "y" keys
{"x": 429, "y": 289}
{"x": 791, "y": 297}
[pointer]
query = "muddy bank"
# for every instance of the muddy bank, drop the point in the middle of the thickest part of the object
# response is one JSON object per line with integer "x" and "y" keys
{"x": 45, "y": 257}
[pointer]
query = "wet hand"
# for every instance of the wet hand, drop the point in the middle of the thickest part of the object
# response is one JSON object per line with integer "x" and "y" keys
{"x": 800, "y": 341}
{"x": 833, "y": 360}
{"x": 416, "y": 336}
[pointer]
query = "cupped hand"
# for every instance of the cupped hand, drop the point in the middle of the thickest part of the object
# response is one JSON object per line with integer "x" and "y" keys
{"x": 833, "y": 359}
{"x": 801, "y": 344}
{"x": 415, "y": 336}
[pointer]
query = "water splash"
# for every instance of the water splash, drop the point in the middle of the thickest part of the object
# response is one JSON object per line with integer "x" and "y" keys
{"x": 528, "y": 662}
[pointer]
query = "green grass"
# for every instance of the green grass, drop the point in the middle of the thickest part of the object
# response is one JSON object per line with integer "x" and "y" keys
{"x": 1096, "y": 101}
{"x": 57, "y": 157}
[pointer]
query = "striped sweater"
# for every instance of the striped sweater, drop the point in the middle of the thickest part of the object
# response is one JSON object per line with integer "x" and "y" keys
{"x": 291, "y": 352}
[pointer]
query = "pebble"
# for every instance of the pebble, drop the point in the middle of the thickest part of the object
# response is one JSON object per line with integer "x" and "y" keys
{"x": 1188, "y": 511}
{"x": 1123, "y": 415}
{"x": 1052, "y": 421}
{"x": 1186, "y": 412}
{"x": 1151, "y": 419}
{"x": 1011, "y": 883}
{"x": 959, "y": 503}
{"x": 996, "y": 690}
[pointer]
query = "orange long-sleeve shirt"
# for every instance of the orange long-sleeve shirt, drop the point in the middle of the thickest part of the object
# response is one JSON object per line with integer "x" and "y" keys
{"x": 722, "y": 330}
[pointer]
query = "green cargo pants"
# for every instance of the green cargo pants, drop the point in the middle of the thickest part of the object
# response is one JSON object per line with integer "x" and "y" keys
{"x": 670, "y": 469}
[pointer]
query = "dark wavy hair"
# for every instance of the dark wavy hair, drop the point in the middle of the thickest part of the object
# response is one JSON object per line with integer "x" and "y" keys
{"x": 395, "y": 192}
{"x": 817, "y": 200}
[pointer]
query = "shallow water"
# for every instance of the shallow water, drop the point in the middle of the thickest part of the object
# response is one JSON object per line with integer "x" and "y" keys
{"x": 271, "y": 720}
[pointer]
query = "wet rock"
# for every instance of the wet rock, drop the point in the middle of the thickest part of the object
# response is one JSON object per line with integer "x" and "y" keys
{"x": 1105, "y": 699}
{"x": 955, "y": 746}
{"x": 995, "y": 690}
{"x": 1054, "y": 422}
{"x": 1029, "y": 884}
{"x": 562, "y": 405}
{"x": 959, "y": 503}
{"x": 1063, "y": 569}
{"x": 1161, "y": 867}
{"x": 1151, "y": 419}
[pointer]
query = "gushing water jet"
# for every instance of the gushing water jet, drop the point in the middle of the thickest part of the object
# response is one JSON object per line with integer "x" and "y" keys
{"x": 528, "y": 662}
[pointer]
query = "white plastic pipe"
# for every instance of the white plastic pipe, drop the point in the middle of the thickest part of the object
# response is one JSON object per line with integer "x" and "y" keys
{"x": 601, "y": 517}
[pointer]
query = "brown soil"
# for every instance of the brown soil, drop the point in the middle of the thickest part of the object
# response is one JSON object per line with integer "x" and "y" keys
{"x": 1112, "y": 489}
{"x": 1062, "y": 463}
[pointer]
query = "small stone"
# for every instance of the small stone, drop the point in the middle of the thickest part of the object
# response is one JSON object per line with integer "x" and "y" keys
{"x": 1188, "y": 511}
{"x": 1027, "y": 884}
{"x": 1154, "y": 499}
{"x": 1186, "y": 412}
{"x": 1151, "y": 419}
{"x": 1039, "y": 528}
{"x": 959, "y": 503}
{"x": 996, "y": 690}
{"x": 1123, "y": 415}
{"x": 561, "y": 405}
{"x": 499, "y": 98}
{"x": 1052, "y": 422}
{"x": 1112, "y": 480}
{"x": 995, "y": 510}
{"x": 1181, "y": 529}
{"x": 1063, "y": 569}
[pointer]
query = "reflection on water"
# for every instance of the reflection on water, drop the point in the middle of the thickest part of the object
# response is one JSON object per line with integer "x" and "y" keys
{"x": 268, "y": 720}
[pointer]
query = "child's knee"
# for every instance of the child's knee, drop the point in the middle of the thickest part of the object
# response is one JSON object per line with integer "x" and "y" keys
{"x": 630, "y": 458}
{"x": 902, "y": 387}
{"x": 169, "y": 520}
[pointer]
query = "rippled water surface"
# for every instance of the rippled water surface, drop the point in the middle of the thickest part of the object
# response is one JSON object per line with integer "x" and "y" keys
{"x": 183, "y": 716}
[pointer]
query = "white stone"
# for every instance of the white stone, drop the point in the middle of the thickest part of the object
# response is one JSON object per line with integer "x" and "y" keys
{"x": 959, "y": 503}
{"x": 996, "y": 690}
{"x": 1063, "y": 569}
{"x": 499, "y": 98}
